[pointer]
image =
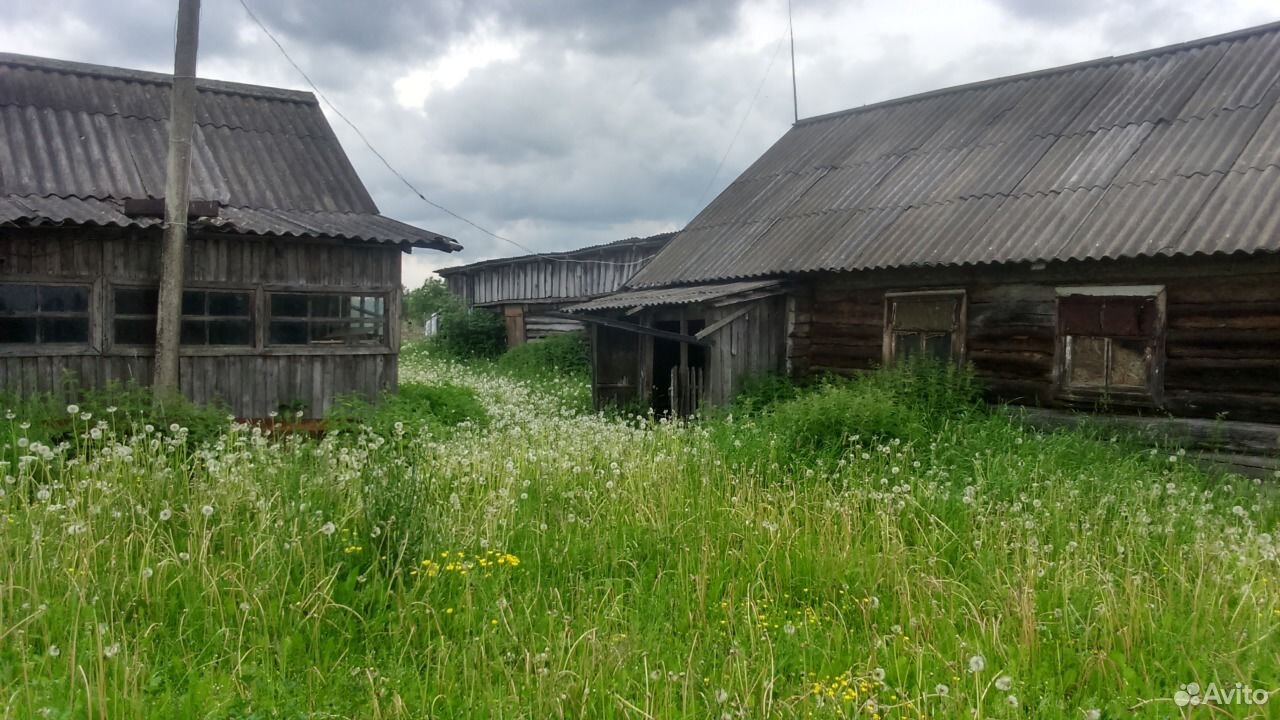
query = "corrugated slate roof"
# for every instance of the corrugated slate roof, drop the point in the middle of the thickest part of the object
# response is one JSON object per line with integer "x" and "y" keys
{"x": 670, "y": 296}
{"x": 1174, "y": 151}
{"x": 654, "y": 242}
{"x": 76, "y": 140}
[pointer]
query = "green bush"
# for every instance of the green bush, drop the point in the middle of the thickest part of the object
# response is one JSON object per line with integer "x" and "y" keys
{"x": 762, "y": 392}
{"x": 467, "y": 333}
{"x": 913, "y": 401}
{"x": 437, "y": 407}
{"x": 433, "y": 297}
{"x": 564, "y": 354}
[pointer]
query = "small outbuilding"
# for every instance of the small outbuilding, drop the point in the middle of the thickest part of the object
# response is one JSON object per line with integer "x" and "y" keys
{"x": 292, "y": 287}
{"x": 1101, "y": 236}
{"x": 529, "y": 290}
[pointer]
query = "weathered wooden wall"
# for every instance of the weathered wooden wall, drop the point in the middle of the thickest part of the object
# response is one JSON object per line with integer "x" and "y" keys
{"x": 1222, "y": 340}
{"x": 252, "y": 381}
{"x": 539, "y": 280}
{"x": 750, "y": 346}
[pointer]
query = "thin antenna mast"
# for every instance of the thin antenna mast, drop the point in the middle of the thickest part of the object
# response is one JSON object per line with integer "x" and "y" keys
{"x": 795, "y": 99}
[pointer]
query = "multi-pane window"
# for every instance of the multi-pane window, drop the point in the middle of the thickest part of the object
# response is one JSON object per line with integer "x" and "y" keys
{"x": 209, "y": 317}
{"x": 44, "y": 314}
{"x": 1110, "y": 341}
{"x": 926, "y": 324}
{"x": 216, "y": 317}
{"x": 327, "y": 319}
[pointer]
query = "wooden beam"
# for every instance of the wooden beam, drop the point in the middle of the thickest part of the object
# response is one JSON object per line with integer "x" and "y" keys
{"x": 632, "y": 327}
{"x": 708, "y": 330}
{"x": 154, "y": 207}
{"x": 182, "y": 110}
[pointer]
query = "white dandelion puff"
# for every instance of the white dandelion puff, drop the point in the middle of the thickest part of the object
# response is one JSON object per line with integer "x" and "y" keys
{"x": 1003, "y": 683}
{"x": 977, "y": 664}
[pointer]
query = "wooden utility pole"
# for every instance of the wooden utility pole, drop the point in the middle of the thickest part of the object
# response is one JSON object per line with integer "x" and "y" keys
{"x": 182, "y": 107}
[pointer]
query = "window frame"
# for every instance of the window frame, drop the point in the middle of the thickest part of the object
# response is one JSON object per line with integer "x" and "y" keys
{"x": 111, "y": 316}
{"x": 1150, "y": 394}
{"x": 383, "y": 343}
{"x": 959, "y": 330}
{"x": 87, "y": 346}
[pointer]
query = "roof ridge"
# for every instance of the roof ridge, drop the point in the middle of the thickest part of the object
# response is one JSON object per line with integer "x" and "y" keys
{"x": 1071, "y": 67}
{"x": 69, "y": 67}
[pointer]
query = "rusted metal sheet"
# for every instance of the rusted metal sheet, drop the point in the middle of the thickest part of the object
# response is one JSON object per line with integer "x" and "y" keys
{"x": 1168, "y": 151}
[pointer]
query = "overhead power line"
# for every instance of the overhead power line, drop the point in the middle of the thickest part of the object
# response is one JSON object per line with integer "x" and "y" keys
{"x": 412, "y": 188}
{"x": 741, "y": 123}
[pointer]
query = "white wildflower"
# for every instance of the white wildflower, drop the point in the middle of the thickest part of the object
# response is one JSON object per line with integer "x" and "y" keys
{"x": 977, "y": 664}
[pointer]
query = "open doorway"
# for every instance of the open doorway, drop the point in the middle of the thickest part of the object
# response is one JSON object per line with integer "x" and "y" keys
{"x": 677, "y": 364}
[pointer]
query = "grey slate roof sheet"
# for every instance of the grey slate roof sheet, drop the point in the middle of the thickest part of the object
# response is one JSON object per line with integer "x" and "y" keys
{"x": 670, "y": 296}
{"x": 76, "y": 140}
{"x": 1169, "y": 151}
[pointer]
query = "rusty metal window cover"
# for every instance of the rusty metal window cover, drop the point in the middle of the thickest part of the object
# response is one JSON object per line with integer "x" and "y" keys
{"x": 929, "y": 323}
{"x": 44, "y": 314}
{"x": 327, "y": 318}
{"x": 1111, "y": 343}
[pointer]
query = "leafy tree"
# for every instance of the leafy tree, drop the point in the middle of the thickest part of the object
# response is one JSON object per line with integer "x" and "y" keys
{"x": 433, "y": 297}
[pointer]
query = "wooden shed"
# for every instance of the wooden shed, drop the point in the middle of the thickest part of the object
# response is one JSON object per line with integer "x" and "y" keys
{"x": 1103, "y": 236}
{"x": 529, "y": 290}
{"x": 292, "y": 276}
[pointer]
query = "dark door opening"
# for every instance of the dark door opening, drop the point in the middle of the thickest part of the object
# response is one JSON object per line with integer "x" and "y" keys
{"x": 675, "y": 363}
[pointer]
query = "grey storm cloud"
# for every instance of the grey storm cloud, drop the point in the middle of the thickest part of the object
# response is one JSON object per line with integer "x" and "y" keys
{"x": 610, "y": 118}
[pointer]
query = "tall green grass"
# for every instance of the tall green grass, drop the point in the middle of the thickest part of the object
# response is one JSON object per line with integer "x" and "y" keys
{"x": 881, "y": 548}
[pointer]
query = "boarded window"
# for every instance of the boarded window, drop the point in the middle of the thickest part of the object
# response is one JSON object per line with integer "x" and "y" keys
{"x": 1110, "y": 343}
{"x": 44, "y": 314}
{"x": 327, "y": 319}
{"x": 209, "y": 317}
{"x": 925, "y": 325}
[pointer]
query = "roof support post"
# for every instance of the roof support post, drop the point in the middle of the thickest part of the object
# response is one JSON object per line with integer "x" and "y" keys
{"x": 177, "y": 169}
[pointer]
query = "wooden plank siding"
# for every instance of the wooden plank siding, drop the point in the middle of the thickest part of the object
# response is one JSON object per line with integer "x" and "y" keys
{"x": 1221, "y": 344}
{"x": 250, "y": 382}
{"x": 751, "y": 345}
{"x": 537, "y": 280}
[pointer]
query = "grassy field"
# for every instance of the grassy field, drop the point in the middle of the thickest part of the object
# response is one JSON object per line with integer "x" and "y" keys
{"x": 879, "y": 550}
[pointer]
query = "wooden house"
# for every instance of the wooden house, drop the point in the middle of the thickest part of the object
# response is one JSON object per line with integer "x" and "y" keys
{"x": 292, "y": 276}
{"x": 529, "y": 290}
{"x": 1100, "y": 236}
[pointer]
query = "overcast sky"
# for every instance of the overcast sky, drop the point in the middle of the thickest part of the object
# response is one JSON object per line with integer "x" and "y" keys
{"x": 563, "y": 123}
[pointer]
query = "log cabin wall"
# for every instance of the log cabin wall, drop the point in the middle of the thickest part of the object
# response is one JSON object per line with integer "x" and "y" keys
{"x": 1221, "y": 335}
{"x": 251, "y": 380}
